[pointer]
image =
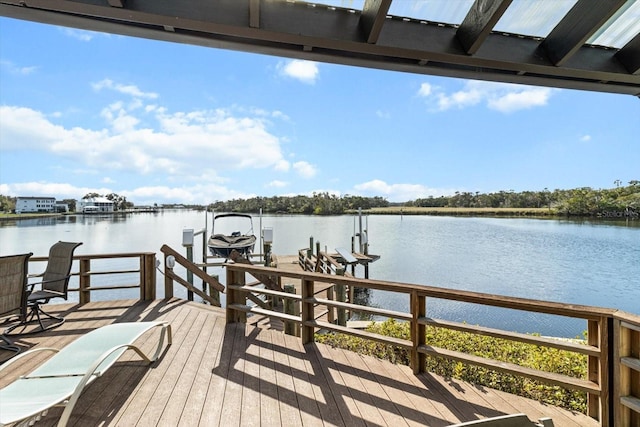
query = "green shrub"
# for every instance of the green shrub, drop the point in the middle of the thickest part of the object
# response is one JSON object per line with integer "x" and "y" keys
{"x": 528, "y": 355}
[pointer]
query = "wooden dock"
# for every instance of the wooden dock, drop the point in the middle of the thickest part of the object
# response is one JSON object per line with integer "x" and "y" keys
{"x": 237, "y": 375}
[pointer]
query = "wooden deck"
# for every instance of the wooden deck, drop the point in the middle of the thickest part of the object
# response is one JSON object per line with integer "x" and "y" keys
{"x": 218, "y": 374}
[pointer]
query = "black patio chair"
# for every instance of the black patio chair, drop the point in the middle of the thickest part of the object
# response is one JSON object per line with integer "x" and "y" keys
{"x": 13, "y": 293}
{"x": 54, "y": 284}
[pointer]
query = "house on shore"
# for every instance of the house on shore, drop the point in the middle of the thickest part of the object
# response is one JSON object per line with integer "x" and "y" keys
{"x": 95, "y": 205}
{"x": 35, "y": 205}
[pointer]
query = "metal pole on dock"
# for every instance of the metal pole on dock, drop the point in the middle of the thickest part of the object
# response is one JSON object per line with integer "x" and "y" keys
{"x": 187, "y": 241}
{"x": 360, "y": 228}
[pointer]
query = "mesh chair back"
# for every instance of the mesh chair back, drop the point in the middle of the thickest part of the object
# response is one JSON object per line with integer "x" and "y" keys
{"x": 13, "y": 285}
{"x": 56, "y": 275}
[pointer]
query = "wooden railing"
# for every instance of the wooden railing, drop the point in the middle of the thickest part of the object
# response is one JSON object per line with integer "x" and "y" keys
{"x": 611, "y": 348}
{"x": 144, "y": 269}
{"x": 193, "y": 269}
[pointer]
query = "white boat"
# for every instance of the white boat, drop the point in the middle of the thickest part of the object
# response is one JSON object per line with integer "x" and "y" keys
{"x": 91, "y": 210}
{"x": 221, "y": 244}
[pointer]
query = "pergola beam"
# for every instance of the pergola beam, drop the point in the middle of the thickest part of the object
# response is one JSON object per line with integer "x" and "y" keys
{"x": 629, "y": 55}
{"x": 479, "y": 22}
{"x": 369, "y": 39}
{"x": 372, "y": 19}
{"x": 254, "y": 13}
{"x": 580, "y": 23}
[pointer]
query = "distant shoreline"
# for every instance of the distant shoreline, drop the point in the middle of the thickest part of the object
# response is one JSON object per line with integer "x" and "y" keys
{"x": 446, "y": 211}
{"x": 391, "y": 210}
{"x": 9, "y": 217}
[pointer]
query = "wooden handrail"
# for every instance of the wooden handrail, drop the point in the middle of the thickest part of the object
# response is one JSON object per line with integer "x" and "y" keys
{"x": 193, "y": 268}
{"x": 145, "y": 269}
{"x": 524, "y": 304}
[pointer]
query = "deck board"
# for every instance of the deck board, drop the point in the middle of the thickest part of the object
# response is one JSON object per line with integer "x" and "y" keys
{"x": 269, "y": 412}
{"x": 238, "y": 375}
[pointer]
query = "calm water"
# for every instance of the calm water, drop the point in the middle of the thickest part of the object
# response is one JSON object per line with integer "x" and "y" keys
{"x": 591, "y": 263}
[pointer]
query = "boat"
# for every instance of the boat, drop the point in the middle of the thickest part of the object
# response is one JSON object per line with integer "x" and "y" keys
{"x": 91, "y": 210}
{"x": 222, "y": 245}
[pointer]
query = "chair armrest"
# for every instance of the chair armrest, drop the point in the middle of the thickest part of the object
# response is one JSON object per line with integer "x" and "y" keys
{"x": 33, "y": 284}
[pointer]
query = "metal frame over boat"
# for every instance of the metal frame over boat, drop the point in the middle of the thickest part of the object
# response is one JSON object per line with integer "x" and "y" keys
{"x": 222, "y": 245}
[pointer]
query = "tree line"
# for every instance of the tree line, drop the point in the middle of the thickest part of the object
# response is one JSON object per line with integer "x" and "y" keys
{"x": 583, "y": 201}
{"x": 317, "y": 204}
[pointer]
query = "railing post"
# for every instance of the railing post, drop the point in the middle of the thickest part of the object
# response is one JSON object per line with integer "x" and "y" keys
{"x": 148, "y": 276}
{"x": 291, "y": 328}
{"x": 310, "y": 250}
{"x": 235, "y": 297}
{"x": 168, "y": 281}
{"x": 214, "y": 293}
{"x": 331, "y": 316}
{"x": 626, "y": 374}
{"x": 622, "y": 346}
{"x": 341, "y": 296}
{"x": 418, "y": 332}
{"x": 598, "y": 370}
{"x": 307, "y": 311}
{"x": 85, "y": 281}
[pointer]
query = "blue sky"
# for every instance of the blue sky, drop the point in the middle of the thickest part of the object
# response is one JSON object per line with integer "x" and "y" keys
{"x": 160, "y": 123}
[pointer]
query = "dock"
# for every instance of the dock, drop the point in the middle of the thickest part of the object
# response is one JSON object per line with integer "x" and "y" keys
{"x": 238, "y": 375}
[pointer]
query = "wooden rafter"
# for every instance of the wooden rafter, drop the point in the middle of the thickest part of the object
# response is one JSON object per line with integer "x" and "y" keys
{"x": 479, "y": 22}
{"x": 629, "y": 55}
{"x": 580, "y": 23}
{"x": 374, "y": 13}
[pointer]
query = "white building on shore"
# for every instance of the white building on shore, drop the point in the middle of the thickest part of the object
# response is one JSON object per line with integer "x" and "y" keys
{"x": 35, "y": 205}
{"x": 94, "y": 205}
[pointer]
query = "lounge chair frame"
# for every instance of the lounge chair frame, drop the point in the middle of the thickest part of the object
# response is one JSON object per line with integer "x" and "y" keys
{"x": 94, "y": 361}
{"x": 512, "y": 420}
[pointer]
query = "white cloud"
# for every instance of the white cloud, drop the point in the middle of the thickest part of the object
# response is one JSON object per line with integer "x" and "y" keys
{"x": 173, "y": 144}
{"x": 131, "y": 90}
{"x": 304, "y": 169}
{"x": 502, "y": 97}
{"x": 15, "y": 69}
{"x": 282, "y": 165}
{"x": 398, "y": 192}
{"x": 526, "y": 98}
{"x": 81, "y": 35}
{"x": 193, "y": 194}
{"x": 52, "y": 189}
{"x": 425, "y": 89}
{"x": 585, "y": 138}
{"x": 277, "y": 184}
{"x": 383, "y": 114}
{"x": 305, "y": 71}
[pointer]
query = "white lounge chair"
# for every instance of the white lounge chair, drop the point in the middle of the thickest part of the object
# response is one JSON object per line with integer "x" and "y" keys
{"x": 515, "y": 420}
{"x": 61, "y": 379}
